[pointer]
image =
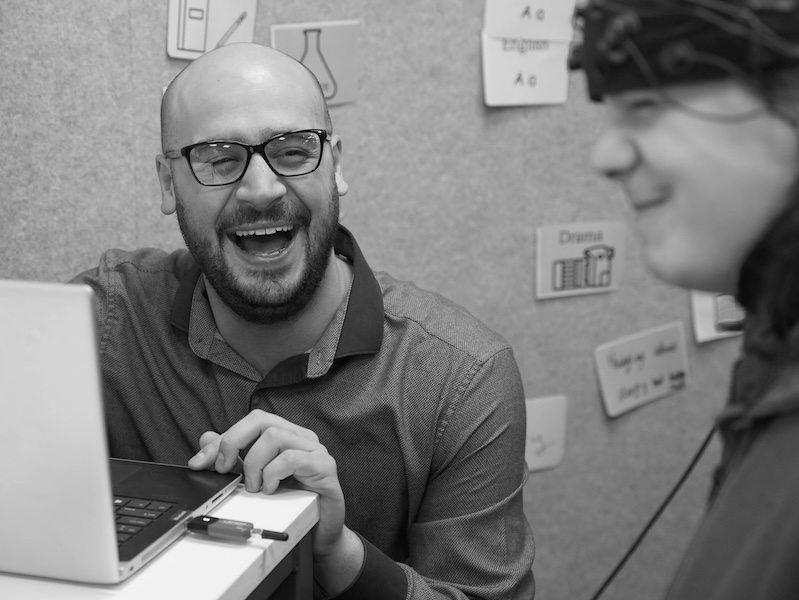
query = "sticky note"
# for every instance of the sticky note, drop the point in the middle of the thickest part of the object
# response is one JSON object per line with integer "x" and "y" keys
{"x": 520, "y": 71}
{"x": 546, "y": 432}
{"x": 639, "y": 368}
{"x": 713, "y": 314}
{"x": 575, "y": 259}
{"x": 530, "y": 19}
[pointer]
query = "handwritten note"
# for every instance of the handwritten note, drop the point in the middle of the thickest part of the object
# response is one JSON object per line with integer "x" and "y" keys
{"x": 546, "y": 432}
{"x": 643, "y": 367}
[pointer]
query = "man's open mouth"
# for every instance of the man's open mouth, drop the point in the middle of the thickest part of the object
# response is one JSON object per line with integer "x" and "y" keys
{"x": 269, "y": 241}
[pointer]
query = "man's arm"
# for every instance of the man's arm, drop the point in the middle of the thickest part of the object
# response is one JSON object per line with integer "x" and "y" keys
{"x": 470, "y": 538}
{"x": 471, "y": 533}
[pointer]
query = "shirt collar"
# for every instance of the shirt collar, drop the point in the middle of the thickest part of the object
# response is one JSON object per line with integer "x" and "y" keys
{"x": 362, "y": 329}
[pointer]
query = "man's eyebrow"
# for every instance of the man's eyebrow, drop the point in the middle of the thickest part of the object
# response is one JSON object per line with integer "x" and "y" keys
{"x": 242, "y": 138}
{"x": 263, "y": 134}
{"x": 275, "y": 131}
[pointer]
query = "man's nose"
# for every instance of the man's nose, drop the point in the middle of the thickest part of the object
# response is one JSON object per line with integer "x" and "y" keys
{"x": 260, "y": 185}
{"x": 615, "y": 154}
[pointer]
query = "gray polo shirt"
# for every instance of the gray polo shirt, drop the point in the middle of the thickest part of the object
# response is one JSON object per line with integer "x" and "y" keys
{"x": 419, "y": 403}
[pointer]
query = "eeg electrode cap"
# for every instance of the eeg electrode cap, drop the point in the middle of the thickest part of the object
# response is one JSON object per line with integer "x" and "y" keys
{"x": 634, "y": 44}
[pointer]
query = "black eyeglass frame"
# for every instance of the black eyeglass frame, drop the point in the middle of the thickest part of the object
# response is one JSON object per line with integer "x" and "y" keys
{"x": 259, "y": 148}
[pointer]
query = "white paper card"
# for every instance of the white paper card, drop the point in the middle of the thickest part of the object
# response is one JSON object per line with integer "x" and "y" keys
{"x": 198, "y": 26}
{"x": 520, "y": 72}
{"x": 579, "y": 258}
{"x": 330, "y": 49}
{"x": 546, "y": 432}
{"x": 711, "y": 312}
{"x": 530, "y": 19}
{"x": 639, "y": 368}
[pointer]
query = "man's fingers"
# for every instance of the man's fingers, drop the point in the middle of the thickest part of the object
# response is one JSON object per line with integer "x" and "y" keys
{"x": 314, "y": 470}
{"x": 265, "y": 420}
{"x": 249, "y": 430}
{"x": 209, "y": 437}
{"x": 272, "y": 443}
{"x": 269, "y": 434}
{"x": 209, "y": 449}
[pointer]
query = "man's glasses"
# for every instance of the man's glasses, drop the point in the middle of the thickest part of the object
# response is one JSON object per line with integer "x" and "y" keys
{"x": 222, "y": 162}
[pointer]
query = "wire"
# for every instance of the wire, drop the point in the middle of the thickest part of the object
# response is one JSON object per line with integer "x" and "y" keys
{"x": 689, "y": 469}
{"x": 736, "y": 20}
{"x": 651, "y": 78}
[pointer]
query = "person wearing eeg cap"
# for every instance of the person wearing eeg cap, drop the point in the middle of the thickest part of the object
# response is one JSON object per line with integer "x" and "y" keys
{"x": 701, "y": 103}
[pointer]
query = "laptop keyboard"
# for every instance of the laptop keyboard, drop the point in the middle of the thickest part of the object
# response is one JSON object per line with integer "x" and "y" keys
{"x": 134, "y": 514}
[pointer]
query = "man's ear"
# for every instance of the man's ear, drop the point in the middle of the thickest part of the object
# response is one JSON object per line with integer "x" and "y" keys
{"x": 168, "y": 201}
{"x": 335, "y": 145}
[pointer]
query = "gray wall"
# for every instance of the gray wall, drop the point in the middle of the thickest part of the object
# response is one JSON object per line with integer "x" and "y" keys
{"x": 443, "y": 191}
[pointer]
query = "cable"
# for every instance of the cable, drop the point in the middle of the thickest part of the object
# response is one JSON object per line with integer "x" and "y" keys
{"x": 647, "y": 72}
{"x": 657, "y": 514}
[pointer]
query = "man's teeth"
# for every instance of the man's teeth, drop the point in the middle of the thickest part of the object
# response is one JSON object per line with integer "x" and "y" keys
{"x": 267, "y": 231}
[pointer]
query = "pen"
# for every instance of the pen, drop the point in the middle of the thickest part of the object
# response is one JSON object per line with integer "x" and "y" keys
{"x": 231, "y": 29}
{"x": 226, "y": 529}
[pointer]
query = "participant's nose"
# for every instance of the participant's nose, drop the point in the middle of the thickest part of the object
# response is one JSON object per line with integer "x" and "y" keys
{"x": 614, "y": 154}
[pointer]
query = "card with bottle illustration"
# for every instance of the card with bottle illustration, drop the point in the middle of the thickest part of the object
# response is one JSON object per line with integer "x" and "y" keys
{"x": 330, "y": 49}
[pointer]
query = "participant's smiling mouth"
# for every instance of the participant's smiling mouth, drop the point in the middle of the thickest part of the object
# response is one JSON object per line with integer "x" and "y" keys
{"x": 263, "y": 242}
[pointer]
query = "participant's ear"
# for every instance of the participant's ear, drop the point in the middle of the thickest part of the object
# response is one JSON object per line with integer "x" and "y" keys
{"x": 168, "y": 201}
{"x": 335, "y": 146}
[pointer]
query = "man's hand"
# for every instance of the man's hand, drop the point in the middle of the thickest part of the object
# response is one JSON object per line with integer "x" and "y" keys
{"x": 279, "y": 449}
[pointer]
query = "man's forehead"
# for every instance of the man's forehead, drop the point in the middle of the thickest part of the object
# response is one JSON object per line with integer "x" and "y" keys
{"x": 256, "y": 74}
{"x": 253, "y": 124}
{"x": 244, "y": 93}
{"x": 213, "y": 75}
{"x": 225, "y": 89}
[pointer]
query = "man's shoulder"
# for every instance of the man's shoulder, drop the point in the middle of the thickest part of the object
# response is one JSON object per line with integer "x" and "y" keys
{"x": 439, "y": 317}
{"x": 142, "y": 276}
{"x": 150, "y": 261}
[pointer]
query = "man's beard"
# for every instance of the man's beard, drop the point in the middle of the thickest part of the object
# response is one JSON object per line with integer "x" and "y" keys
{"x": 269, "y": 300}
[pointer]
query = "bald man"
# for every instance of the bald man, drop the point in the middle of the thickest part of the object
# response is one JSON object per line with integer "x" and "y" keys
{"x": 270, "y": 346}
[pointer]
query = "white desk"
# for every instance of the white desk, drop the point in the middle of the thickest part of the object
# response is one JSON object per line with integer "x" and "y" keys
{"x": 200, "y": 568}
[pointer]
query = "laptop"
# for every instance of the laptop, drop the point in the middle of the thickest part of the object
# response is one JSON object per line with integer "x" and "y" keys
{"x": 66, "y": 510}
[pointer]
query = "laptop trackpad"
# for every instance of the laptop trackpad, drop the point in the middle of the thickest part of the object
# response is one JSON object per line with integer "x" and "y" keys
{"x": 170, "y": 483}
{"x": 120, "y": 471}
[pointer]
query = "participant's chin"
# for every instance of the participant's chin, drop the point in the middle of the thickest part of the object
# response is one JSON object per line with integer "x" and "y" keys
{"x": 690, "y": 273}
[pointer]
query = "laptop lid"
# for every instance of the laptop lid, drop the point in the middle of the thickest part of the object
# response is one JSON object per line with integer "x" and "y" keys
{"x": 58, "y": 514}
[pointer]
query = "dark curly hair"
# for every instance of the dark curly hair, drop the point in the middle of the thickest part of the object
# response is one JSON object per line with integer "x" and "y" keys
{"x": 769, "y": 277}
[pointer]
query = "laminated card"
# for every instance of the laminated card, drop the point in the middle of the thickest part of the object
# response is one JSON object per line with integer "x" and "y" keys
{"x": 639, "y": 368}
